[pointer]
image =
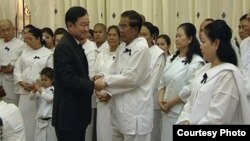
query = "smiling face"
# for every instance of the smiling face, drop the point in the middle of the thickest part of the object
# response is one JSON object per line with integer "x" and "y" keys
{"x": 80, "y": 28}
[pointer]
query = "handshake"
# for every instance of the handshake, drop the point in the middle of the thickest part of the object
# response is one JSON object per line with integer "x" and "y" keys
{"x": 99, "y": 86}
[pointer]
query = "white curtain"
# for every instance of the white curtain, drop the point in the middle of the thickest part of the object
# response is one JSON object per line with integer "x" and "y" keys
{"x": 8, "y": 10}
{"x": 166, "y": 14}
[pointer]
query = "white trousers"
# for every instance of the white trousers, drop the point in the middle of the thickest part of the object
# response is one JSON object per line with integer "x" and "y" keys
{"x": 118, "y": 136}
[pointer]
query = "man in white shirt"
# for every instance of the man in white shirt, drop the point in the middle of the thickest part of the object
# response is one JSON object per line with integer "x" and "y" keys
{"x": 12, "y": 128}
{"x": 10, "y": 50}
{"x": 131, "y": 103}
{"x": 244, "y": 33}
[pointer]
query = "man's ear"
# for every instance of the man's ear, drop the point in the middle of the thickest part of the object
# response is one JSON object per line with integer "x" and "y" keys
{"x": 69, "y": 25}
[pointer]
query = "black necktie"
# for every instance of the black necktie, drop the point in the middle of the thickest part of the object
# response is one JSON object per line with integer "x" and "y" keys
{"x": 204, "y": 78}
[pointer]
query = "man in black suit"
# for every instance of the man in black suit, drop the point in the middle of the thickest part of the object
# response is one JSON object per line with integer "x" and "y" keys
{"x": 73, "y": 88}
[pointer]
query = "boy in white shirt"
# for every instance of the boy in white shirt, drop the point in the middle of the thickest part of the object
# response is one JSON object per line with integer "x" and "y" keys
{"x": 43, "y": 92}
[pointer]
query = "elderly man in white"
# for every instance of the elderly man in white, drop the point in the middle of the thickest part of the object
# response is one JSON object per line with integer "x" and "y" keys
{"x": 129, "y": 85}
{"x": 10, "y": 50}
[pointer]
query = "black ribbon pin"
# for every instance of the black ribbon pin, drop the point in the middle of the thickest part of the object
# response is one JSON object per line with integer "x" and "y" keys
{"x": 204, "y": 80}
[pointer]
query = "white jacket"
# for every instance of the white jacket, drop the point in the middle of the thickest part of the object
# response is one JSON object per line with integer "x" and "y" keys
{"x": 131, "y": 103}
{"x": 220, "y": 99}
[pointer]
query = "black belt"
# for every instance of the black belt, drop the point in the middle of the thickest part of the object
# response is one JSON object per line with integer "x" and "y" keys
{"x": 46, "y": 118}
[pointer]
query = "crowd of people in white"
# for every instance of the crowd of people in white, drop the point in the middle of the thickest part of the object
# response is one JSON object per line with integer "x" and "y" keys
{"x": 138, "y": 88}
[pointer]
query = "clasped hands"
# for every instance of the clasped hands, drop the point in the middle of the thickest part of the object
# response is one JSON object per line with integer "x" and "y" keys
{"x": 7, "y": 69}
{"x": 99, "y": 86}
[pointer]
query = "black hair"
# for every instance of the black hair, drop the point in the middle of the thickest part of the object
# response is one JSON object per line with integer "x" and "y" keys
{"x": 48, "y": 30}
{"x": 29, "y": 26}
{"x": 209, "y": 19}
{"x": 219, "y": 30}
{"x": 135, "y": 19}
{"x": 244, "y": 17}
{"x": 49, "y": 72}
{"x": 74, "y": 13}
{"x": 165, "y": 37}
{"x": 60, "y": 31}
{"x": 37, "y": 33}
{"x": 156, "y": 32}
{"x": 116, "y": 28}
{"x": 91, "y": 31}
{"x": 194, "y": 46}
{"x": 150, "y": 27}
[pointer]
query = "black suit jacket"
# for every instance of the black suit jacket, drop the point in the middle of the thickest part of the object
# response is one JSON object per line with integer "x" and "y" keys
{"x": 73, "y": 88}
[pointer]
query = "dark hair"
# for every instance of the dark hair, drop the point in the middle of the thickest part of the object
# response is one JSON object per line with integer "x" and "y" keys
{"x": 209, "y": 19}
{"x": 116, "y": 28}
{"x": 165, "y": 37}
{"x": 135, "y": 19}
{"x": 60, "y": 31}
{"x": 37, "y": 33}
{"x": 143, "y": 18}
{"x": 156, "y": 32}
{"x": 29, "y": 26}
{"x": 48, "y": 30}
{"x": 150, "y": 27}
{"x": 91, "y": 31}
{"x": 74, "y": 13}
{"x": 49, "y": 72}
{"x": 194, "y": 46}
{"x": 221, "y": 31}
{"x": 244, "y": 17}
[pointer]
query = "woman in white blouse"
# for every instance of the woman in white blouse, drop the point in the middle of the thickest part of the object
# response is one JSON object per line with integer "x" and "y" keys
{"x": 217, "y": 92}
{"x": 27, "y": 68}
{"x": 102, "y": 65}
{"x": 177, "y": 73}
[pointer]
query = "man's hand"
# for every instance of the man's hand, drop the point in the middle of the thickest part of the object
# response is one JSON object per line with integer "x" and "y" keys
{"x": 7, "y": 69}
{"x": 99, "y": 84}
